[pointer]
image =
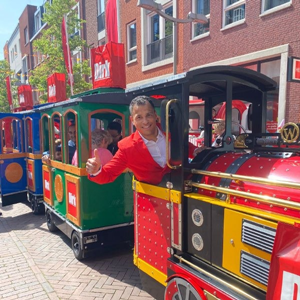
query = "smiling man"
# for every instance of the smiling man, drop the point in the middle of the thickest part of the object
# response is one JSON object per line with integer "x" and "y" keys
{"x": 144, "y": 151}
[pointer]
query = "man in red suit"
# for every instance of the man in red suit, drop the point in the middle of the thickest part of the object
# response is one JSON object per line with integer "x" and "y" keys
{"x": 144, "y": 152}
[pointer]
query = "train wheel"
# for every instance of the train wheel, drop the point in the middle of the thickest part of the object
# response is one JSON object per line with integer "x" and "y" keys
{"x": 37, "y": 208}
{"x": 178, "y": 289}
{"x": 50, "y": 224}
{"x": 76, "y": 246}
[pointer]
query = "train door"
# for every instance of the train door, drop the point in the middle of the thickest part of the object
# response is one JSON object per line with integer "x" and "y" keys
{"x": 13, "y": 161}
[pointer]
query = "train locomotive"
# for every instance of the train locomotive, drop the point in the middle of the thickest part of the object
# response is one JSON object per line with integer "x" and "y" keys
{"x": 214, "y": 228}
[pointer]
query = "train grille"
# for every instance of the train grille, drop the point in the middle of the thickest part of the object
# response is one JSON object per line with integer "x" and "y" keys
{"x": 257, "y": 235}
{"x": 255, "y": 267}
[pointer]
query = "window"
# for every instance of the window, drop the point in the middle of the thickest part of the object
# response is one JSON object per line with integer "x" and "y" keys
{"x": 131, "y": 41}
{"x": 160, "y": 39}
{"x": 101, "y": 15}
{"x": 38, "y": 19}
{"x": 76, "y": 30}
{"x": 26, "y": 35}
{"x": 76, "y": 58}
{"x": 269, "y": 4}
{"x": 234, "y": 10}
{"x": 24, "y": 70}
{"x": 71, "y": 133}
{"x": 201, "y": 7}
{"x": 101, "y": 42}
{"x": 16, "y": 51}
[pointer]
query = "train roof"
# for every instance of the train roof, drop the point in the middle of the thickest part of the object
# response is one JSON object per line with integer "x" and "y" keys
{"x": 199, "y": 79}
{"x": 117, "y": 98}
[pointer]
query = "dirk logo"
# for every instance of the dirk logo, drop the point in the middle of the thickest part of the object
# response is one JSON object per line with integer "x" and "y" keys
{"x": 101, "y": 71}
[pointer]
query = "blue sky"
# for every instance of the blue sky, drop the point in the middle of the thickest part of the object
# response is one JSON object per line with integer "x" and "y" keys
{"x": 10, "y": 11}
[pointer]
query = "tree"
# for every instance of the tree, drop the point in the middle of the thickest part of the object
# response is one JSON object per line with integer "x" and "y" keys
{"x": 50, "y": 46}
{"x": 4, "y": 72}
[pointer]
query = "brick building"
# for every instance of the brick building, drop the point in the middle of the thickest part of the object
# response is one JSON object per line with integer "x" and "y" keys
{"x": 257, "y": 34}
{"x": 26, "y": 26}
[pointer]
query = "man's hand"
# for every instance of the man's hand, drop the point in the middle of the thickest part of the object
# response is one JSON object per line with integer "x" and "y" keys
{"x": 94, "y": 164}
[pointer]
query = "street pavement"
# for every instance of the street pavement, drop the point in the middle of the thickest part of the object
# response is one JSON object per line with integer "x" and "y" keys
{"x": 38, "y": 264}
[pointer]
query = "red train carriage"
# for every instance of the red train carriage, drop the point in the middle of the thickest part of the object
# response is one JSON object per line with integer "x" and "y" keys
{"x": 215, "y": 227}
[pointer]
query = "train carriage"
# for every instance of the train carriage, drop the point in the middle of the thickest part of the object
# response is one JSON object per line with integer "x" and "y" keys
{"x": 207, "y": 231}
{"x": 93, "y": 216}
{"x": 21, "y": 159}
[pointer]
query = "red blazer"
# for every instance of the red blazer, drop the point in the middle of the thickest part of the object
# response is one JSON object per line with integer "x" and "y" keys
{"x": 132, "y": 154}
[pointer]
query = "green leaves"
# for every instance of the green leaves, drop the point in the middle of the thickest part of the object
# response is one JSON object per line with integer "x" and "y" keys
{"x": 4, "y": 72}
{"x": 49, "y": 45}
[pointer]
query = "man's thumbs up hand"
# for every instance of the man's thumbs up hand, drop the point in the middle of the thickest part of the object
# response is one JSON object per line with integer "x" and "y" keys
{"x": 93, "y": 164}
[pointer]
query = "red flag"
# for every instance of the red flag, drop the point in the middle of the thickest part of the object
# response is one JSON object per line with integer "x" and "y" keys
{"x": 111, "y": 21}
{"x": 66, "y": 51}
{"x": 8, "y": 90}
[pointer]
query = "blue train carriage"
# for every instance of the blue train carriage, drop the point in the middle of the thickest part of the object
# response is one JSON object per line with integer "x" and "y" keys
{"x": 20, "y": 161}
{"x": 93, "y": 216}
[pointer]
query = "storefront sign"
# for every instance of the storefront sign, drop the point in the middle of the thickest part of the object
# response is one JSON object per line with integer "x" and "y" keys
{"x": 294, "y": 69}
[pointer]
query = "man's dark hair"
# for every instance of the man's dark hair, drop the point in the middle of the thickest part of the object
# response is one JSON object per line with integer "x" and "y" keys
{"x": 115, "y": 126}
{"x": 140, "y": 100}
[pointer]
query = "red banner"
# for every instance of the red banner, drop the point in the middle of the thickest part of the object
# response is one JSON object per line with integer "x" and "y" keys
{"x": 108, "y": 66}
{"x": 56, "y": 87}
{"x": 111, "y": 21}
{"x": 25, "y": 96}
{"x": 8, "y": 90}
{"x": 47, "y": 187}
{"x": 284, "y": 276}
{"x": 66, "y": 51}
{"x": 72, "y": 199}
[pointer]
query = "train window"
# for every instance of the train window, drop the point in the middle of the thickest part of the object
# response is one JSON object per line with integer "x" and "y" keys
{"x": 28, "y": 136}
{"x": 56, "y": 149}
{"x": 45, "y": 134}
{"x": 110, "y": 121}
{"x": 71, "y": 140}
{"x": 11, "y": 135}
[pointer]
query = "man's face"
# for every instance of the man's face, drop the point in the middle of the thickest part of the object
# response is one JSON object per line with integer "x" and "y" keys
{"x": 115, "y": 135}
{"x": 72, "y": 133}
{"x": 144, "y": 118}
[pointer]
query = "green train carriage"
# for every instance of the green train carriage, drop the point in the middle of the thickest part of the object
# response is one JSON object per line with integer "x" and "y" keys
{"x": 93, "y": 216}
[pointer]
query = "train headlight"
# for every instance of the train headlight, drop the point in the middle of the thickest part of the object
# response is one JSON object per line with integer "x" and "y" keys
{"x": 197, "y": 217}
{"x": 197, "y": 241}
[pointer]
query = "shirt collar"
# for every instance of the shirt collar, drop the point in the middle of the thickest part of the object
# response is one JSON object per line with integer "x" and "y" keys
{"x": 159, "y": 136}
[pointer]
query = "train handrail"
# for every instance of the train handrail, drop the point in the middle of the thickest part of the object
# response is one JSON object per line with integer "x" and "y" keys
{"x": 239, "y": 178}
{"x": 247, "y": 195}
{"x": 168, "y": 136}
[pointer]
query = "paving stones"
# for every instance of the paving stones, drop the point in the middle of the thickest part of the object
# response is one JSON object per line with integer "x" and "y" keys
{"x": 37, "y": 264}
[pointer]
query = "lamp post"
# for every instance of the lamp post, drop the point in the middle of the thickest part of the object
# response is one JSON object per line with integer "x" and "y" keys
{"x": 191, "y": 17}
